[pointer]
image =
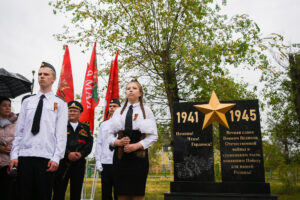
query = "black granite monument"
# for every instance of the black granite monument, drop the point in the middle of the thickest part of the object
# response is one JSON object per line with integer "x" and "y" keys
{"x": 240, "y": 150}
{"x": 241, "y": 145}
{"x": 193, "y": 147}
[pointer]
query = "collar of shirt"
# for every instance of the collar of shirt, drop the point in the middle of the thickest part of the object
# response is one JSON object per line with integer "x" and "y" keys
{"x": 74, "y": 125}
{"x": 133, "y": 105}
{"x": 47, "y": 95}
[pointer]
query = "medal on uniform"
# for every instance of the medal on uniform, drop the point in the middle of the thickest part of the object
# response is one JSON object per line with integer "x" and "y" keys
{"x": 83, "y": 133}
{"x": 135, "y": 116}
{"x": 55, "y": 106}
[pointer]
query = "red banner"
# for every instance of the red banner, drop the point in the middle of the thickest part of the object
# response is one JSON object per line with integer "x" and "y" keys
{"x": 90, "y": 97}
{"x": 65, "y": 87}
{"x": 113, "y": 85}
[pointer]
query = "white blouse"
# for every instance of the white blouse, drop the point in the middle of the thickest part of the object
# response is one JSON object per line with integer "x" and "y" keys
{"x": 103, "y": 154}
{"x": 147, "y": 126}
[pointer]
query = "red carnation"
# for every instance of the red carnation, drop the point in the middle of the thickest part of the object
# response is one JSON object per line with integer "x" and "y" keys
{"x": 81, "y": 141}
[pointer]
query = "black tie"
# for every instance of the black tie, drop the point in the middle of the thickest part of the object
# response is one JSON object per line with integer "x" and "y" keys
{"x": 128, "y": 121}
{"x": 37, "y": 116}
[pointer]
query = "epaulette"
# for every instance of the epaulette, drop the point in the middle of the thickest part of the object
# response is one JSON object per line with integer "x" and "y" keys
{"x": 61, "y": 98}
{"x": 85, "y": 124}
{"x": 26, "y": 96}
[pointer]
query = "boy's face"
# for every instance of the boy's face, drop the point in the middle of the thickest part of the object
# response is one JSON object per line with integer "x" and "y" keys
{"x": 112, "y": 108}
{"x": 46, "y": 77}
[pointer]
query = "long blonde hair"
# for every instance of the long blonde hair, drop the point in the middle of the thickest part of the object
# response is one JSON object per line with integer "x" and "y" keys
{"x": 140, "y": 98}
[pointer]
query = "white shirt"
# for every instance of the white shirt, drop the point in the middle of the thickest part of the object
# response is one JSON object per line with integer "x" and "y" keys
{"x": 74, "y": 125}
{"x": 147, "y": 126}
{"x": 50, "y": 141}
{"x": 103, "y": 154}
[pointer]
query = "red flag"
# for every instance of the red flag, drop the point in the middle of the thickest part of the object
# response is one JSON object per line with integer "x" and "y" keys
{"x": 115, "y": 88}
{"x": 90, "y": 97}
{"x": 65, "y": 87}
{"x": 113, "y": 85}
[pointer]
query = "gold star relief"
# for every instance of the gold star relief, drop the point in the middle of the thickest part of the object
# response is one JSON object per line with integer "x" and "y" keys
{"x": 214, "y": 111}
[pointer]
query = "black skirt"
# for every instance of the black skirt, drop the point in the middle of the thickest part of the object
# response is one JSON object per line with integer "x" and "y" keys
{"x": 130, "y": 172}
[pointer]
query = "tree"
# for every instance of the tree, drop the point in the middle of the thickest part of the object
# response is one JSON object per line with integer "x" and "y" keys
{"x": 280, "y": 92}
{"x": 294, "y": 74}
{"x": 272, "y": 156}
{"x": 181, "y": 48}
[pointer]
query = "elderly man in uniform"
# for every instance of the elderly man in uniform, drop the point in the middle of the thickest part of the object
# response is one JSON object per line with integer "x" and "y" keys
{"x": 104, "y": 156}
{"x": 40, "y": 139}
{"x": 72, "y": 167}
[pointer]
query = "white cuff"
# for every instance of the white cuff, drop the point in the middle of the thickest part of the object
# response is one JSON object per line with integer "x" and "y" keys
{"x": 55, "y": 159}
{"x": 13, "y": 156}
{"x": 99, "y": 166}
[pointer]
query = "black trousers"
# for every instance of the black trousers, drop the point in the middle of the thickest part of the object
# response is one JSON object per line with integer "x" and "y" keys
{"x": 7, "y": 185}
{"x": 34, "y": 183}
{"x": 107, "y": 182}
{"x": 73, "y": 171}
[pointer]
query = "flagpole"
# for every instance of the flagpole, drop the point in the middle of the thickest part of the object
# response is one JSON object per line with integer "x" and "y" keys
{"x": 33, "y": 72}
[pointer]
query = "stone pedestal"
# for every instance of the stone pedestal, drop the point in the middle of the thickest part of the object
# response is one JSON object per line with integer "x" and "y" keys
{"x": 219, "y": 191}
{"x": 224, "y": 196}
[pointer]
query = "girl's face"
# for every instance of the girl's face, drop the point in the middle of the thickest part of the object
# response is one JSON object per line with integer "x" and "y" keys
{"x": 5, "y": 109}
{"x": 133, "y": 92}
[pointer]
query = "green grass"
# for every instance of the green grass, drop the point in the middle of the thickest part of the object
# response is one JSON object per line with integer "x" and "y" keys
{"x": 157, "y": 186}
{"x": 278, "y": 189}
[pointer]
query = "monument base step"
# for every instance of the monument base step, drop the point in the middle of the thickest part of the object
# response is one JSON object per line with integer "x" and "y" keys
{"x": 216, "y": 196}
{"x": 220, "y": 187}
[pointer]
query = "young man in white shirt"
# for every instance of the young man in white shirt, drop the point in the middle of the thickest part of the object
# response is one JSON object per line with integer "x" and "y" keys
{"x": 40, "y": 138}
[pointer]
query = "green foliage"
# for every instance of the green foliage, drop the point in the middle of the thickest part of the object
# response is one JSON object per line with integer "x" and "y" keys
{"x": 157, "y": 147}
{"x": 283, "y": 127}
{"x": 287, "y": 177}
{"x": 179, "y": 49}
{"x": 272, "y": 156}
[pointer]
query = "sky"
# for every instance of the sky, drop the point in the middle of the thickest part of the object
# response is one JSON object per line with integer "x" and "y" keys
{"x": 27, "y": 28}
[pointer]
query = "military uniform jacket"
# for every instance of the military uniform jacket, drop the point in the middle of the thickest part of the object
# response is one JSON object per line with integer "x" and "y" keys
{"x": 80, "y": 140}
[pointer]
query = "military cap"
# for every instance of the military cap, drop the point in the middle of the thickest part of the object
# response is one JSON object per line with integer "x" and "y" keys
{"x": 45, "y": 64}
{"x": 76, "y": 105}
{"x": 116, "y": 101}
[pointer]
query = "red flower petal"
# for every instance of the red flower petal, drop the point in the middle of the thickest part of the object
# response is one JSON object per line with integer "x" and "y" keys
{"x": 81, "y": 141}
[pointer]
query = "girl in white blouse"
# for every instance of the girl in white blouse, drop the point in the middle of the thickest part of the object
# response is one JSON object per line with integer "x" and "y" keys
{"x": 136, "y": 128}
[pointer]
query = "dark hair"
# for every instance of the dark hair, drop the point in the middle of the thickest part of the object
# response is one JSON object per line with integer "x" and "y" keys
{"x": 140, "y": 98}
{"x": 4, "y": 99}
